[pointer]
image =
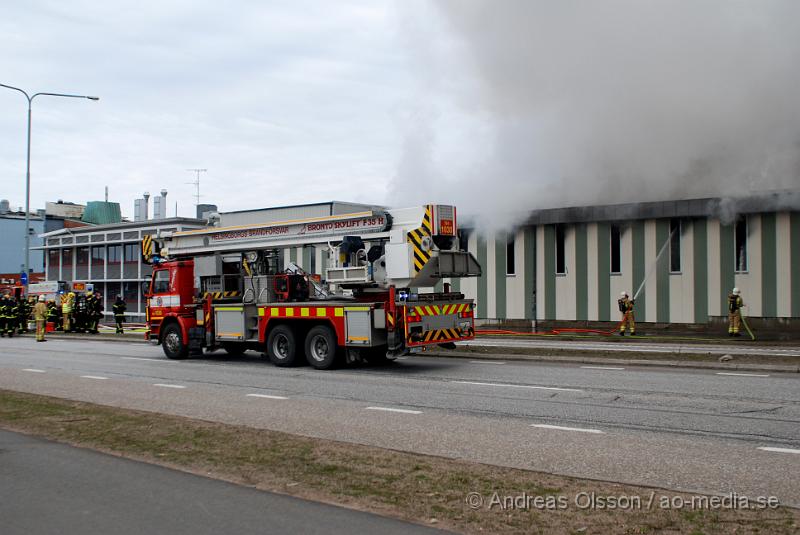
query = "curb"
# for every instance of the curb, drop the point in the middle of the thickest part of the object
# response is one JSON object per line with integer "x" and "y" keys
{"x": 137, "y": 338}
{"x": 619, "y": 362}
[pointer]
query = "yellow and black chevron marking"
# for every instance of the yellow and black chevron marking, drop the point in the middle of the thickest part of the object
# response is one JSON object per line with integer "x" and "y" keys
{"x": 147, "y": 248}
{"x": 247, "y": 269}
{"x": 220, "y": 295}
{"x": 421, "y": 256}
{"x": 435, "y": 310}
{"x": 442, "y": 334}
{"x": 390, "y": 319}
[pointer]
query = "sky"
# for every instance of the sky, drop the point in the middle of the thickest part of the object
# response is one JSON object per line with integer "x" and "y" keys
{"x": 497, "y": 107}
{"x": 282, "y": 102}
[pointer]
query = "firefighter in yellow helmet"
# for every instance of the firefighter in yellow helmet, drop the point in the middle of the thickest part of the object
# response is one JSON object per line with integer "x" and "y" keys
{"x": 68, "y": 301}
{"x": 735, "y": 304}
{"x": 626, "y": 308}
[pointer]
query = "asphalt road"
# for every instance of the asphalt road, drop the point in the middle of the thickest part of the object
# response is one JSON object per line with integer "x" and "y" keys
{"x": 692, "y": 430}
{"x": 54, "y": 488}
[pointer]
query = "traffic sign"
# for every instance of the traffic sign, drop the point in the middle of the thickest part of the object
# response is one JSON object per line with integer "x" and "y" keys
{"x": 23, "y": 278}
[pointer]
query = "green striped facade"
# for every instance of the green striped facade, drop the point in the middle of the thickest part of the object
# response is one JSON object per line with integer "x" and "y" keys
{"x": 700, "y": 282}
{"x": 581, "y": 274}
{"x": 588, "y": 290}
{"x": 500, "y": 276}
{"x": 662, "y": 271}
{"x": 603, "y": 271}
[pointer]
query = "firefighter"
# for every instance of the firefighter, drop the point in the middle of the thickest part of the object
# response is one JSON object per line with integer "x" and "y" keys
{"x": 4, "y": 311}
{"x": 79, "y": 313}
{"x": 119, "y": 313}
{"x": 735, "y": 304}
{"x": 66, "y": 310}
{"x": 40, "y": 315}
{"x": 24, "y": 309}
{"x": 12, "y": 310}
{"x": 626, "y": 308}
{"x": 53, "y": 314}
{"x": 93, "y": 312}
{"x": 98, "y": 310}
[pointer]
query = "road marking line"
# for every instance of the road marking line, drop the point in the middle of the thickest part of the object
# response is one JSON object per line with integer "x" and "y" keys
{"x": 168, "y": 385}
{"x": 388, "y": 409}
{"x": 744, "y": 374}
{"x": 780, "y": 450}
{"x": 93, "y": 377}
{"x": 143, "y": 358}
{"x": 34, "y": 370}
{"x": 601, "y": 368}
{"x": 265, "y": 396}
{"x": 560, "y": 428}
{"x": 519, "y": 386}
{"x": 401, "y": 358}
{"x": 486, "y": 362}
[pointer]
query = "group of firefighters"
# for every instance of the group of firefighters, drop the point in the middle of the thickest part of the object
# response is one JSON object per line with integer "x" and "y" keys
{"x": 73, "y": 313}
{"x": 735, "y": 304}
{"x": 82, "y": 313}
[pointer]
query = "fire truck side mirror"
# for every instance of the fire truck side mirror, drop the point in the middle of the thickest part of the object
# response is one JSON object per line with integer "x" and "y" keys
{"x": 145, "y": 288}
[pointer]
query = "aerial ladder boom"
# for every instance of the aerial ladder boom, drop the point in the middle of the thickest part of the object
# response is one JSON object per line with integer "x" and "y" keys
{"x": 409, "y": 247}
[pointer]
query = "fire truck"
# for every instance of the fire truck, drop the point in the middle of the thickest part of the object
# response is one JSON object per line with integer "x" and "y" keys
{"x": 230, "y": 288}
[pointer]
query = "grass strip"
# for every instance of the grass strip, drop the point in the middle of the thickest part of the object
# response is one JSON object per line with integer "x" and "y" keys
{"x": 456, "y": 495}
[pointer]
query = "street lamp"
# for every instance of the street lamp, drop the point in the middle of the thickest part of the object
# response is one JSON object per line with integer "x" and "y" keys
{"x": 28, "y": 165}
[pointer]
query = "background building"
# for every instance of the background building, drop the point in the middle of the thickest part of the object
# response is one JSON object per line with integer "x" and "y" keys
{"x": 109, "y": 256}
{"x": 12, "y": 246}
{"x": 571, "y": 264}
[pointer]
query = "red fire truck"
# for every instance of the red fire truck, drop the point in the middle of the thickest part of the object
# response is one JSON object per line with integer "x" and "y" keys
{"x": 228, "y": 288}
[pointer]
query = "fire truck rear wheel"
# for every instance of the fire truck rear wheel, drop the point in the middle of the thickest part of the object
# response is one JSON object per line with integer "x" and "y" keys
{"x": 172, "y": 342}
{"x": 321, "y": 348}
{"x": 281, "y": 346}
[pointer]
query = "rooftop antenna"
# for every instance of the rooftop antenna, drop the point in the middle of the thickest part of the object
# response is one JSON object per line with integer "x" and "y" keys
{"x": 196, "y": 183}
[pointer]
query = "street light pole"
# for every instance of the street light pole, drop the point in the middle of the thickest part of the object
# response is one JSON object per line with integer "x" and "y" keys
{"x": 28, "y": 164}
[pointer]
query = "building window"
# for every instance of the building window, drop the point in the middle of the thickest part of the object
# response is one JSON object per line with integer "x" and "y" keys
{"x": 616, "y": 249}
{"x": 98, "y": 262}
{"x": 510, "y": 261}
{"x": 53, "y": 264}
{"x": 740, "y": 244}
{"x": 132, "y": 254}
{"x": 561, "y": 261}
{"x": 66, "y": 265}
{"x": 130, "y": 294}
{"x": 82, "y": 263}
{"x": 675, "y": 245}
{"x": 113, "y": 259}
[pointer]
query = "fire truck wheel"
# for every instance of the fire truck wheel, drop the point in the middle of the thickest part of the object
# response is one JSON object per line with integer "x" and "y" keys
{"x": 172, "y": 342}
{"x": 281, "y": 346}
{"x": 321, "y": 348}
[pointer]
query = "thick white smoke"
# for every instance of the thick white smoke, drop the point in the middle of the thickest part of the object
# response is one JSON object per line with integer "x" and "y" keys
{"x": 537, "y": 103}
